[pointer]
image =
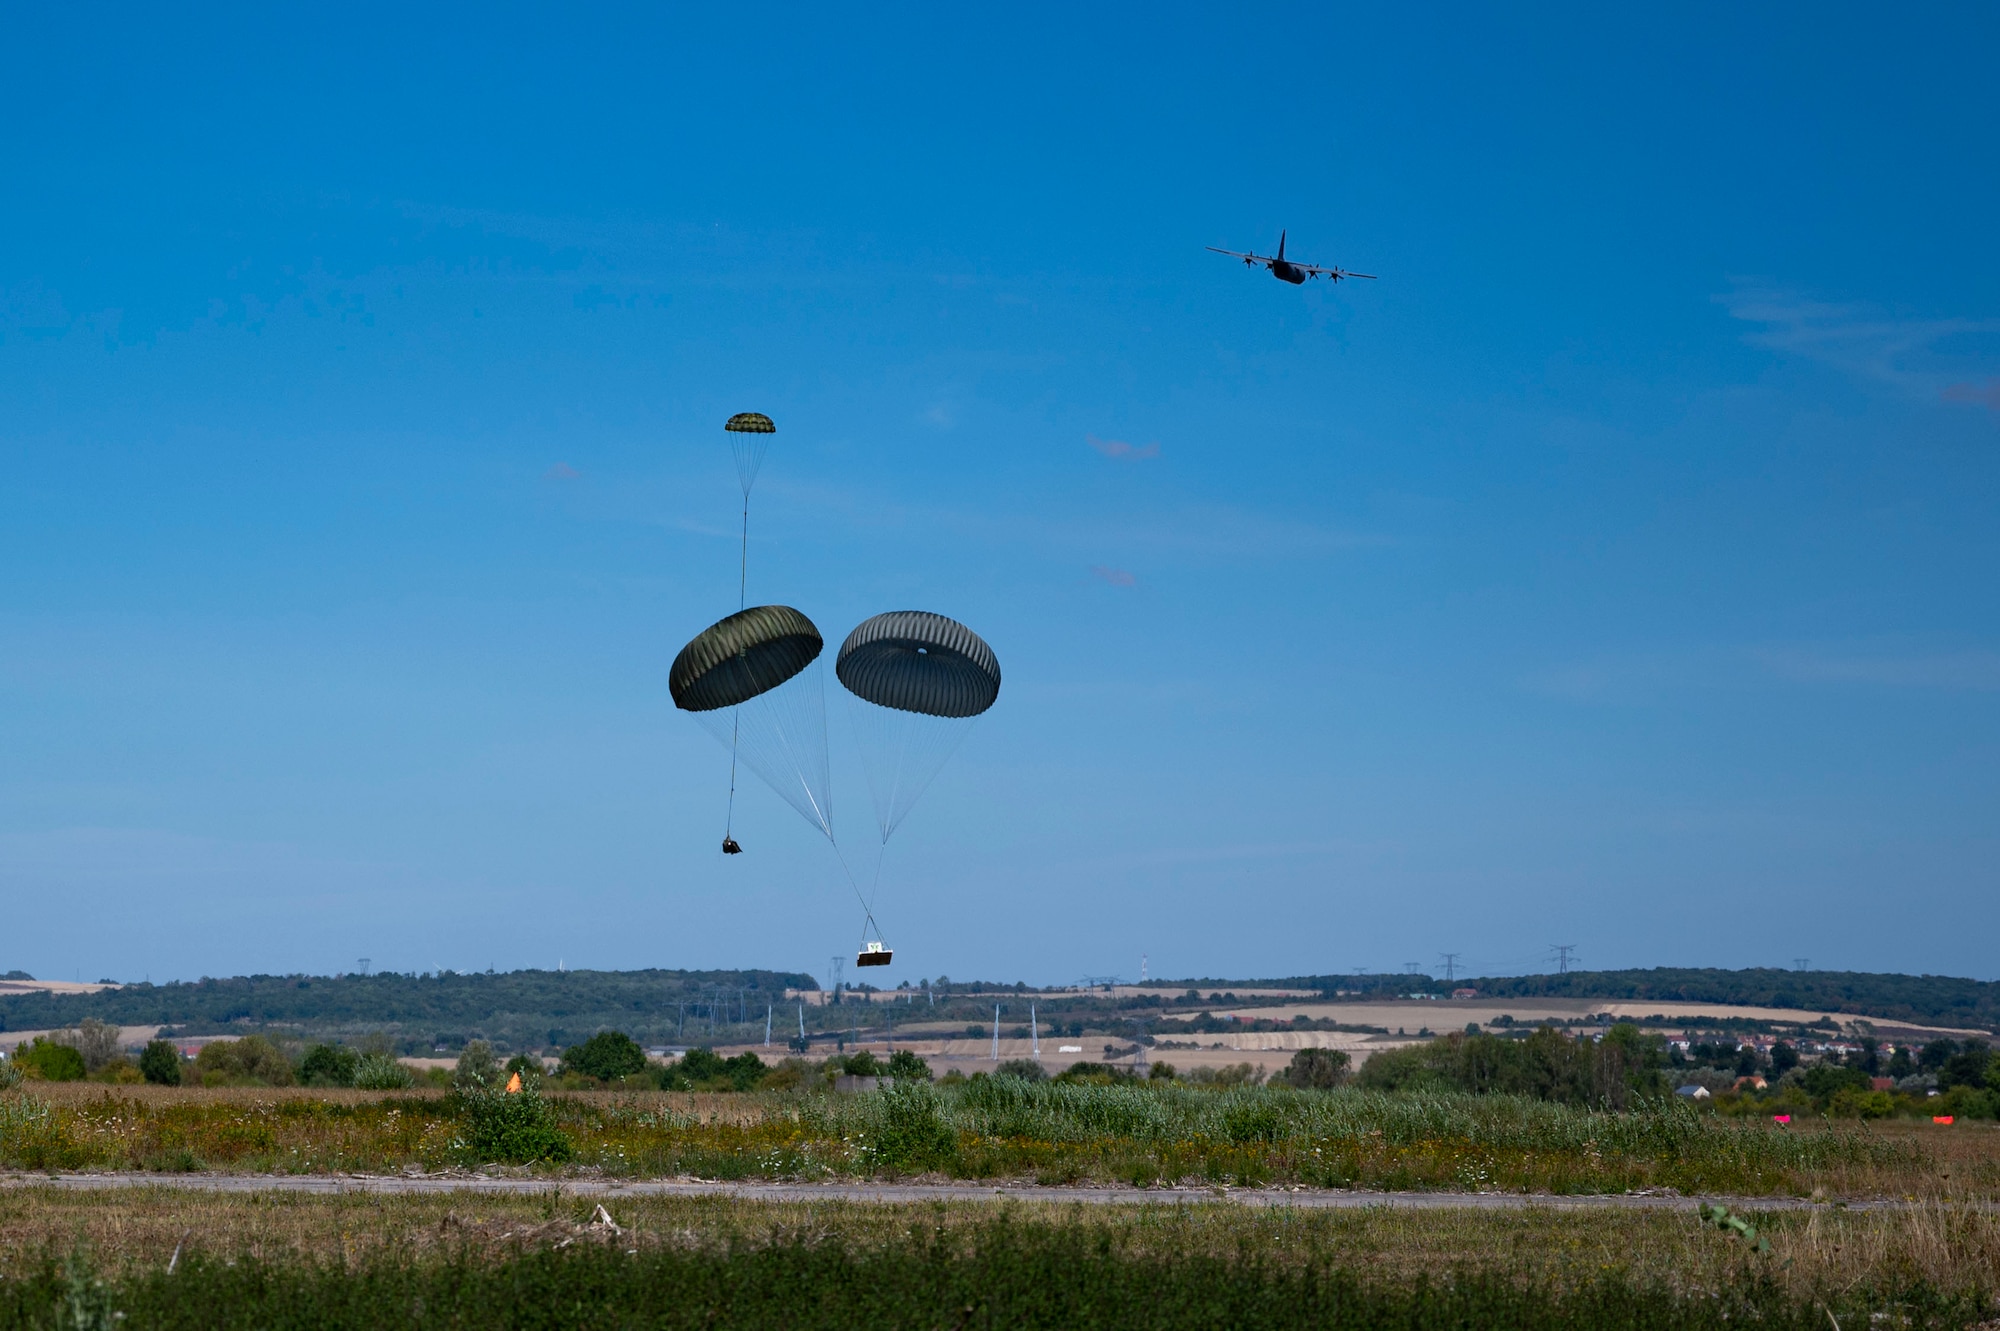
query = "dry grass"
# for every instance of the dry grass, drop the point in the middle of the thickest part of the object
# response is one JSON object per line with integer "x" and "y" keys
{"x": 1826, "y": 1250}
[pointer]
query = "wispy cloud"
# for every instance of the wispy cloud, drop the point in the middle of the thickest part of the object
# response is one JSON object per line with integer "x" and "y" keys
{"x": 1976, "y": 671}
{"x": 1986, "y": 395}
{"x": 1124, "y": 452}
{"x": 1906, "y": 354}
{"x": 1117, "y": 577}
{"x": 562, "y": 471}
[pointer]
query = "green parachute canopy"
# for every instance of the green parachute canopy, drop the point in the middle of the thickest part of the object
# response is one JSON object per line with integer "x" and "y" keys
{"x": 734, "y": 660}
{"x": 915, "y": 661}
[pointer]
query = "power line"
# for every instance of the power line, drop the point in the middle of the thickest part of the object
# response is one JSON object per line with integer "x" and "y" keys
{"x": 1450, "y": 960}
{"x": 1562, "y": 951}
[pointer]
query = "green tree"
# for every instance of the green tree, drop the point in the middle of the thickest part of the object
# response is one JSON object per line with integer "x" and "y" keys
{"x": 50, "y": 1061}
{"x": 1317, "y": 1069}
{"x": 863, "y": 1063}
{"x": 250, "y": 1061}
{"x": 328, "y": 1065}
{"x": 160, "y": 1064}
{"x": 607, "y": 1056}
{"x": 906, "y": 1066}
{"x": 476, "y": 1065}
{"x": 1021, "y": 1069}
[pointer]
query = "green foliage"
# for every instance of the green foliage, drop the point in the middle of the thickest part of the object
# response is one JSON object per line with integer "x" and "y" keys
{"x": 1096, "y": 1074}
{"x": 1317, "y": 1069}
{"x": 513, "y": 1009}
{"x": 863, "y": 1063}
{"x": 329, "y": 1065}
{"x": 1012, "y": 1275}
{"x": 1618, "y": 1071}
{"x": 1021, "y": 1069}
{"x": 50, "y": 1061}
{"x": 607, "y": 1056}
{"x": 512, "y": 1129}
{"x": 477, "y": 1066}
{"x": 160, "y": 1064}
{"x": 379, "y": 1072}
{"x": 528, "y": 1069}
{"x": 906, "y": 1066}
{"x": 910, "y": 1129}
{"x": 705, "y": 1070}
{"x": 1823, "y": 1081}
{"x": 251, "y": 1061}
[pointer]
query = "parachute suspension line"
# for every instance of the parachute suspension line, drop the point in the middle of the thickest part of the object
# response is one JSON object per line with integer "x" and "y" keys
{"x": 729, "y": 819}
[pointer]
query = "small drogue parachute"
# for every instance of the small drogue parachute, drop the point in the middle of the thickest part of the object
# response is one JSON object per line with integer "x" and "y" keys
{"x": 750, "y": 680}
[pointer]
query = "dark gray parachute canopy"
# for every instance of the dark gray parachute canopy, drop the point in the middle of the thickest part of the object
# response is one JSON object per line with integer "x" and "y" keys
{"x": 735, "y": 659}
{"x": 915, "y": 661}
{"x": 749, "y": 422}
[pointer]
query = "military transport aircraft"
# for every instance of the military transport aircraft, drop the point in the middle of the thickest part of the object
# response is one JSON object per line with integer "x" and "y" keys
{"x": 1285, "y": 270}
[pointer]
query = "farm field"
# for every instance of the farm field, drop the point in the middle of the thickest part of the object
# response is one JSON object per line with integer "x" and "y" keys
{"x": 164, "y": 1258}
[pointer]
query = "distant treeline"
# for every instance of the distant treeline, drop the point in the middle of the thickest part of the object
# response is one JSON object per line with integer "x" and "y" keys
{"x": 529, "y": 1009}
{"x": 1935, "y": 1000}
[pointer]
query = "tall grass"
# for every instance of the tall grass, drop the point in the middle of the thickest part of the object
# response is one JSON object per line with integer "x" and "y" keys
{"x": 1010, "y": 1277}
{"x": 1052, "y": 1132}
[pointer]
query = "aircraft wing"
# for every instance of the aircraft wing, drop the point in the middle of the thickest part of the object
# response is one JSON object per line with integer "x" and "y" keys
{"x": 1335, "y": 273}
{"x": 1237, "y": 254}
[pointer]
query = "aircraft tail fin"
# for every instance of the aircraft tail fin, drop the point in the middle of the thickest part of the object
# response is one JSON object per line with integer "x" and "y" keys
{"x": 1281, "y": 244}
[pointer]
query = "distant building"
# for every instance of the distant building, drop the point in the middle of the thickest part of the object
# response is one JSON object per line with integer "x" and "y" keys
{"x": 1693, "y": 1092}
{"x": 1465, "y": 993}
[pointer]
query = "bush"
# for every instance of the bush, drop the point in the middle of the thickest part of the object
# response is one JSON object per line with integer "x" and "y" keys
{"x": 906, "y": 1066}
{"x": 49, "y": 1061}
{"x": 10, "y": 1076}
{"x": 863, "y": 1063}
{"x": 1021, "y": 1069}
{"x": 1093, "y": 1074}
{"x": 250, "y": 1061}
{"x": 328, "y": 1065}
{"x": 476, "y": 1066}
{"x": 1162, "y": 1072}
{"x": 607, "y": 1056}
{"x": 379, "y": 1072}
{"x": 1230, "y": 1074}
{"x": 1317, "y": 1069}
{"x": 513, "y": 1129}
{"x": 911, "y": 1132}
{"x": 160, "y": 1064}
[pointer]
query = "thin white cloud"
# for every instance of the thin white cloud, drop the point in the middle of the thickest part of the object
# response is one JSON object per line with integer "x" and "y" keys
{"x": 1117, "y": 577}
{"x": 1972, "y": 671}
{"x": 1907, "y": 355}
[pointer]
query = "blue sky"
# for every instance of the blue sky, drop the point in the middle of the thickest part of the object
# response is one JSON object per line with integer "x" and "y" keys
{"x": 1617, "y": 570}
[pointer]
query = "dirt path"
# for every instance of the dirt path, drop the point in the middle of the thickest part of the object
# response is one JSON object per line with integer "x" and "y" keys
{"x": 334, "y": 1184}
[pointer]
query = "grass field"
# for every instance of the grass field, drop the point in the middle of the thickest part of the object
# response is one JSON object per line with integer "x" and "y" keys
{"x": 1044, "y": 1132}
{"x": 265, "y": 1259}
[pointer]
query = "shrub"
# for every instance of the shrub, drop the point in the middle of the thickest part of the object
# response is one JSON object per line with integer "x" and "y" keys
{"x": 516, "y": 1129}
{"x": 525, "y": 1067}
{"x": 1021, "y": 1069}
{"x": 910, "y": 1128}
{"x": 1230, "y": 1074}
{"x": 160, "y": 1064}
{"x": 1162, "y": 1072}
{"x": 10, "y": 1076}
{"x": 250, "y": 1061}
{"x": 50, "y": 1061}
{"x": 1317, "y": 1069}
{"x": 906, "y": 1066}
{"x": 1095, "y": 1074}
{"x": 379, "y": 1072}
{"x": 607, "y": 1056}
{"x": 476, "y": 1066}
{"x": 328, "y": 1065}
{"x": 863, "y": 1063}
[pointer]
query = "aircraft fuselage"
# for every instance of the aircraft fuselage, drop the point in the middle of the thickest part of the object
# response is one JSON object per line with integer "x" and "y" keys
{"x": 1285, "y": 272}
